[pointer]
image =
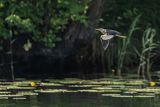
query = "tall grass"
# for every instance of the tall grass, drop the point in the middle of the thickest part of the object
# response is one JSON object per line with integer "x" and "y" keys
{"x": 122, "y": 49}
{"x": 146, "y": 53}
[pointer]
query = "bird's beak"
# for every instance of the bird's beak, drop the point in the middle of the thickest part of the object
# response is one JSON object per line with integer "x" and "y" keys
{"x": 97, "y": 29}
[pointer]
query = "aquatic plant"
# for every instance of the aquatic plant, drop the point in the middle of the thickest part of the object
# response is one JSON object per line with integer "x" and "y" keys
{"x": 123, "y": 48}
{"x": 146, "y": 53}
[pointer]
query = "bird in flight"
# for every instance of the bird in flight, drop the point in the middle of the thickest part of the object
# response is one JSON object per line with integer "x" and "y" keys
{"x": 107, "y": 35}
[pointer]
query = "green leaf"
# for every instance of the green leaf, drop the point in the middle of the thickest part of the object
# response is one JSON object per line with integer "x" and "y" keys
{"x": 27, "y": 46}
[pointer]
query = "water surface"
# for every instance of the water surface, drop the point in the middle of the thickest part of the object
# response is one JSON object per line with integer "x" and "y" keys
{"x": 79, "y": 100}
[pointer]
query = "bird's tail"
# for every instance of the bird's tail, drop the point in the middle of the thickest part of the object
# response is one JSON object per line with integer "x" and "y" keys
{"x": 124, "y": 37}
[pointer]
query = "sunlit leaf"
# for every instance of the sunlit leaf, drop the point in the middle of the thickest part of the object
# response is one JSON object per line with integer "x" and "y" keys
{"x": 27, "y": 46}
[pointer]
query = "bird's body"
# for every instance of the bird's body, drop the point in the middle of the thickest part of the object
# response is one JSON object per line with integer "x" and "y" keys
{"x": 108, "y": 34}
{"x": 104, "y": 37}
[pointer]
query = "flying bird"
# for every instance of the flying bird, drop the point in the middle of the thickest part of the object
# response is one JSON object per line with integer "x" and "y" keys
{"x": 107, "y": 35}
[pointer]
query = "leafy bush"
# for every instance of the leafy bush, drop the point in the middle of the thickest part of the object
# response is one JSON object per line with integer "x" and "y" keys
{"x": 41, "y": 20}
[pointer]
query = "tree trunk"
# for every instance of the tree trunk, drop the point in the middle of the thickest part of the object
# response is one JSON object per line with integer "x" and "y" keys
{"x": 78, "y": 35}
{"x": 76, "y": 40}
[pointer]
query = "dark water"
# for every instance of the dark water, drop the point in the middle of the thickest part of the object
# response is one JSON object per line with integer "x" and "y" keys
{"x": 80, "y": 100}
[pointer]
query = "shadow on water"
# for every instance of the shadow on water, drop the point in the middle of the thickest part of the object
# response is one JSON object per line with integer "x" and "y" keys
{"x": 79, "y": 100}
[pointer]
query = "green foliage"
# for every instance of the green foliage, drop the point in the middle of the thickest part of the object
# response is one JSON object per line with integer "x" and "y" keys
{"x": 23, "y": 25}
{"x": 120, "y": 15}
{"x": 127, "y": 43}
{"x": 41, "y": 20}
{"x": 147, "y": 51}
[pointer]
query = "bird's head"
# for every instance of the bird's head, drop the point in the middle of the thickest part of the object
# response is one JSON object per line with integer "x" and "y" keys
{"x": 102, "y": 30}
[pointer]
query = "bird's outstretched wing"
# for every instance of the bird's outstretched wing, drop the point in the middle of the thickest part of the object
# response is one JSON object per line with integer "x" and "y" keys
{"x": 105, "y": 43}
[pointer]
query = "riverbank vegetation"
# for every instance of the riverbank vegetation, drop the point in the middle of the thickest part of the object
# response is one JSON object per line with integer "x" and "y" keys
{"x": 57, "y": 38}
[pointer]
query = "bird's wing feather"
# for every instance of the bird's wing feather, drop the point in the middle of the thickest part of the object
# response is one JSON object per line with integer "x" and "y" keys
{"x": 106, "y": 37}
{"x": 105, "y": 43}
{"x": 113, "y": 32}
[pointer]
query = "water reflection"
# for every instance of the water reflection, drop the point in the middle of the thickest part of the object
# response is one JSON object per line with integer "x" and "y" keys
{"x": 80, "y": 100}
